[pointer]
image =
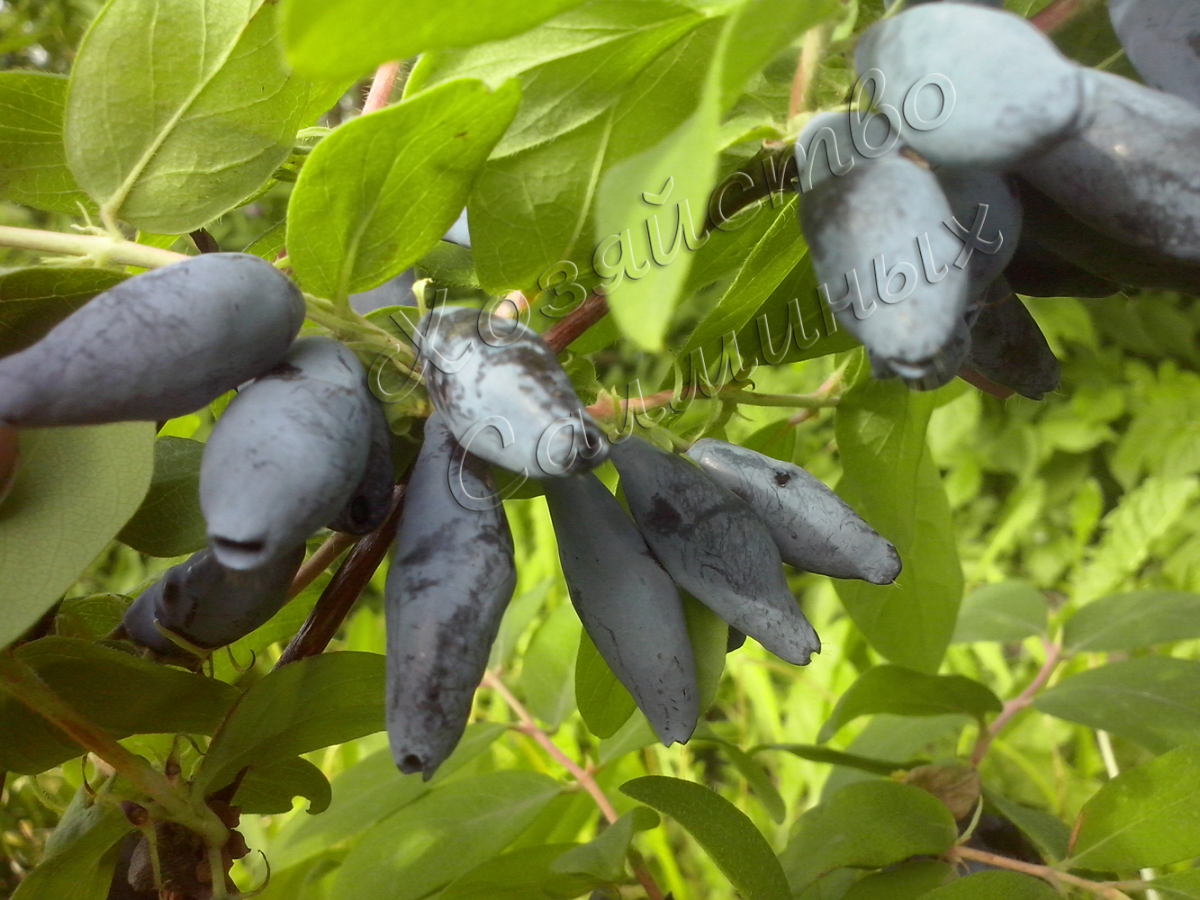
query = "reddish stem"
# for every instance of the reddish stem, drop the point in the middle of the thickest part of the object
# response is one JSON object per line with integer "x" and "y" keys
{"x": 381, "y": 87}
{"x": 1059, "y": 13}
{"x": 342, "y": 591}
{"x": 583, "y": 317}
{"x": 1054, "y": 655}
{"x": 320, "y": 561}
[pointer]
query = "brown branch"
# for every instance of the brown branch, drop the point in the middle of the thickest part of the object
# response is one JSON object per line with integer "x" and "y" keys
{"x": 1059, "y": 13}
{"x": 1111, "y": 890}
{"x": 804, "y": 84}
{"x": 985, "y": 384}
{"x": 381, "y": 87}
{"x": 204, "y": 241}
{"x": 340, "y": 594}
{"x": 1054, "y": 655}
{"x": 581, "y": 775}
{"x": 579, "y": 320}
{"x": 320, "y": 561}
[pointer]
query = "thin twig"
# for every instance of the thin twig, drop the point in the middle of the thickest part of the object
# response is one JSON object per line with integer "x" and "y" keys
{"x": 985, "y": 384}
{"x": 1059, "y": 13}
{"x": 103, "y": 248}
{"x": 804, "y": 84}
{"x": 1111, "y": 890}
{"x": 320, "y": 561}
{"x": 29, "y": 689}
{"x": 583, "y": 776}
{"x": 579, "y": 320}
{"x": 1054, "y": 654}
{"x": 381, "y": 87}
{"x": 340, "y": 594}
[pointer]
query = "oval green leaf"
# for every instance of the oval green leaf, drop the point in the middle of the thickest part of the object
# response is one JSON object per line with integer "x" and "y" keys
{"x": 870, "y": 824}
{"x": 901, "y": 691}
{"x": 1153, "y": 701}
{"x": 177, "y": 110}
{"x": 1148, "y": 816}
{"x": 721, "y": 829}
{"x": 1133, "y": 621}
{"x": 33, "y": 160}
{"x": 379, "y": 193}
{"x": 75, "y": 489}
{"x": 169, "y": 521}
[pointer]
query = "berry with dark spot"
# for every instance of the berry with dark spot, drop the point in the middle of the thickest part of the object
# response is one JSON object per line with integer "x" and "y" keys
{"x": 714, "y": 547}
{"x": 627, "y": 602}
{"x": 452, "y": 576}
{"x": 815, "y": 530}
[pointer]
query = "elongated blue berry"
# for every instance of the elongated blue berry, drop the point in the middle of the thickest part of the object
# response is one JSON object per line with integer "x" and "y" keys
{"x": 210, "y": 605}
{"x": 505, "y": 397}
{"x": 1007, "y": 347}
{"x": 627, "y": 602}
{"x": 714, "y": 546}
{"x": 886, "y": 261}
{"x": 287, "y": 454}
{"x": 974, "y": 86}
{"x": 368, "y": 506}
{"x": 814, "y": 529}
{"x": 159, "y": 345}
{"x": 451, "y": 578}
{"x": 1134, "y": 173}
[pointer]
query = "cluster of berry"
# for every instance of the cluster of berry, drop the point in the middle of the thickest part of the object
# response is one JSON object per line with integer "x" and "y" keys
{"x": 718, "y": 525}
{"x": 980, "y": 162}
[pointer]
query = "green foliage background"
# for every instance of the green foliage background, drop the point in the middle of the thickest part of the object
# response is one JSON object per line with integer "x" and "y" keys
{"x": 1070, "y": 526}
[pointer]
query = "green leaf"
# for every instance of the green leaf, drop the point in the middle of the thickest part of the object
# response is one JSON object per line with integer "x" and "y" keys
{"x": 603, "y": 701}
{"x": 121, "y": 693}
{"x": 673, "y": 161}
{"x": 169, "y": 522}
{"x": 335, "y": 38}
{"x": 33, "y": 160}
{"x": 442, "y": 835}
{"x": 526, "y": 874}
{"x": 377, "y": 194}
{"x": 995, "y": 886}
{"x": 548, "y": 667}
{"x": 268, "y": 790}
{"x": 80, "y": 855}
{"x": 761, "y": 29}
{"x": 1179, "y": 886}
{"x": 34, "y": 300}
{"x": 721, "y": 829}
{"x": 1050, "y": 833}
{"x": 530, "y": 210}
{"x": 604, "y": 857}
{"x": 177, "y": 111}
{"x": 907, "y": 881}
{"x": 1006, "y": 612}
{"x": 1133, "y": 621}
{"x": 1143, "y": 516}
{"x": 306, "y": 705}
{"x": 1148, "y": 816}
{"x": 709, "y": 636}
{"x": 370, "y": 790}
{"x": 90, "y": 618}
{"x": 756, "y": 776}
{"x": 572, "y": 68}
{"x": 1152, "y": 701}
{"x": 81, "y": 483}
{"x": 893, "y": 483}
{"x": 773, "y": 257}
{"x": 816, "y": 753}
{"x": 894, "y": 689}
{"x": 870, "y": 824}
